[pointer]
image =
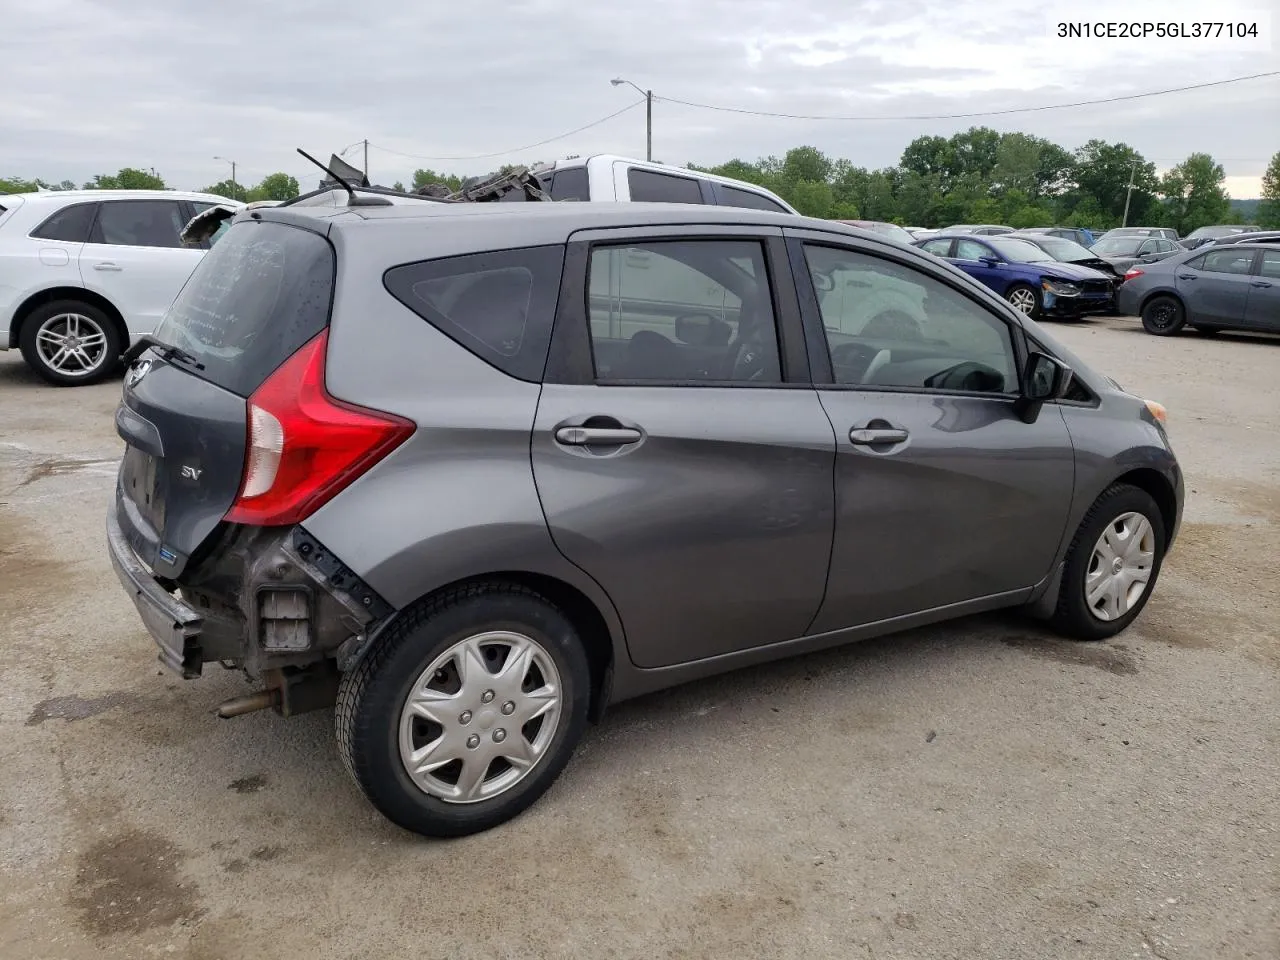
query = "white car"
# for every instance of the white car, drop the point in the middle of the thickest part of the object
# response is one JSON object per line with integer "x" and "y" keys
{"x": 85, "y": 273}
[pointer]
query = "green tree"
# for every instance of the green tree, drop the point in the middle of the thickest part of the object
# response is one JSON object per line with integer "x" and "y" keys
{"x": 1269, "y": 208}
{"x": 805, "y": 164}
{"x": 1103, "y": 171}
{"x": 1193, "y": 193}
{"x": 275, "y": 186}
{"x": 422, "y": 177}
{"x": 1017, "y": 164}
{"x": 976, "y": 151}
{"x": 127, "y": 178}
{"x": 398, "y": 186}
{"x": 918, "y": 198}
{"x": 931, "y": 156}
{"x": 18, "y": 185}
{"x": 225, "y": 188}
{"x": 813, "y": 198}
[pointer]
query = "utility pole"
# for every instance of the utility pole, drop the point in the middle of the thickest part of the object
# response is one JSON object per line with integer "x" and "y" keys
{"x": 1128, "y": 193}
{"x": 366, "y": 159}
{"x": 648, "y": 115}
{"x": 234, "y": 186}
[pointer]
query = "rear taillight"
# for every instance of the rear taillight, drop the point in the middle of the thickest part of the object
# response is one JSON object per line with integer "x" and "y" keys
{"x": 305, "y": 447}
{"x": 1132, "y": 272}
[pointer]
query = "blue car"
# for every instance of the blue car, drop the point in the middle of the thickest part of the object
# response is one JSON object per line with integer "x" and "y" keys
{"x": 1031, "y": 280}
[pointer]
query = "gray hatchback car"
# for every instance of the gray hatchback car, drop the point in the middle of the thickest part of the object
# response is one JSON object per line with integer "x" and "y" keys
{"x": 474, "y": 472}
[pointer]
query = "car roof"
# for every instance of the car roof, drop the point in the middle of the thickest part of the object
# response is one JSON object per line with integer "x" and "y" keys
{"x": 71, "y": 196}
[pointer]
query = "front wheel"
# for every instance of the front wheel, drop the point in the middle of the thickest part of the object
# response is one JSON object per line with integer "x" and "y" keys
{"x": 70, "y": 343}
{"x": 1163, "y": 316}
{"x": 1025, "y": 299}
{"x": 466, "y": 711}
{"x": 1111, "y": 565}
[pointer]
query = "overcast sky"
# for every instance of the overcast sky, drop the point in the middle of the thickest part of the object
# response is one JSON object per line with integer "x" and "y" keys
{"x": 87, "y": 88}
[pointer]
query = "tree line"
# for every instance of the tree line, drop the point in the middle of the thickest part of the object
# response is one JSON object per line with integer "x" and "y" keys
{"x": 978, "y": 176}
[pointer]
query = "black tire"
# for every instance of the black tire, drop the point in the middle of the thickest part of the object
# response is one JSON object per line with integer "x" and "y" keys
{"x": 1019, "y": 291}
{"x": 1163, "y": 316}
{"x": 1073, "y": 617}
{"x": 93, "y": 319}
{"x": 372, "y": 695}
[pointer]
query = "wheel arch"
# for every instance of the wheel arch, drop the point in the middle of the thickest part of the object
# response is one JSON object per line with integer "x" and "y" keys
{"x": 1161, "y": 490}
{"x": 1162, "y": 292}
{"x": 49, "y": 295}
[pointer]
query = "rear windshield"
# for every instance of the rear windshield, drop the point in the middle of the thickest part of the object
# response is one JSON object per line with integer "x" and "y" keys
{"x": 263, "y": 291}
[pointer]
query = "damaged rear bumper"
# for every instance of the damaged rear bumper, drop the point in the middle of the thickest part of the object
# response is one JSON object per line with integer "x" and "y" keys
{"x": 261, "y": 599}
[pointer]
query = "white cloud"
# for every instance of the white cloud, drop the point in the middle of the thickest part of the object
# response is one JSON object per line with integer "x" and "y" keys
{"x": 172, "y": 85}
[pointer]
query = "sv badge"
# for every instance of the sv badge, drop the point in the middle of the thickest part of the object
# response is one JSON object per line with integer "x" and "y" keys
{"x": 191, "y": 473}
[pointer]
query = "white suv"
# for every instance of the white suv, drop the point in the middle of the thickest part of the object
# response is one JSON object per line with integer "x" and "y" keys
{"x": 84, "y": 273}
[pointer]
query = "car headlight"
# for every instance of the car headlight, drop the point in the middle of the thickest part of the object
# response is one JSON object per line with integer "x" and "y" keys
{"x": 1060, "y": 288}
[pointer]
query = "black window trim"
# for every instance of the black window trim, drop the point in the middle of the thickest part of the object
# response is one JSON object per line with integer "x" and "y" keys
{"x": 93, "y": 221}
{"x": 704, "y": 186}
{"x": 572, "y": 359}
{"x": 544, "y": 340}
{"x": 816, "y": 334}
{"x": 717, "y": 188}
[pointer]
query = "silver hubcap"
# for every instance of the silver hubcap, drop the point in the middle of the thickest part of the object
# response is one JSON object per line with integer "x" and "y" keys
{"x": 1023, "y": 300}
{"x": 1120, "y": 568}
{"x": 479, "y": 719}
{"x": 72, "y": 344}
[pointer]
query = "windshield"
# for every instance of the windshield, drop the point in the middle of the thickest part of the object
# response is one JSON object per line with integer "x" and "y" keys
{"x": 1118, "y": 246}
{"x": 1067, "y": 251}
{"x": 892, "y": 230}
{"x": 1018, "y": 251}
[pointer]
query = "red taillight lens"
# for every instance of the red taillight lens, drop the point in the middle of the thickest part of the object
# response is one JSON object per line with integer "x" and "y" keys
{"x": 1132, "y": 272}
{"x": 305, "y": 447}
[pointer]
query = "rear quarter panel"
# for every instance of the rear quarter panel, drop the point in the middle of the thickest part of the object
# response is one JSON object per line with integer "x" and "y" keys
{"x": 457, "y": 500}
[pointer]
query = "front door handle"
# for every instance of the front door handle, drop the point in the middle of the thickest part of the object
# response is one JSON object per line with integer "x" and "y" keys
{"x": 869, "y": 435}
{"x": 601, "y": 436}
{"x": 1186, "y": 276}
{"x": 107, "y": 266}
{"x": 1261, "y": 283}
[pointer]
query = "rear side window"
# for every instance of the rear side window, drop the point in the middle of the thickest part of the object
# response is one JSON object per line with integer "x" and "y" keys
{"x": 139, "y": 223}
{"x": 733, "y": 197}
{"x": 70, "y": 224}
{"x": 571, "y": 184}
{"x": 263, "y": 291}
{"x": 649, "y": 187}
{"x": 499, "y": 305}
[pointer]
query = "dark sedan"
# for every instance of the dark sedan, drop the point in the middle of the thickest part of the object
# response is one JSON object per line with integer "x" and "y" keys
{"x": 1079, "y": 234}
{"x": 1257, "y": 236}
{"x": 1068, "y": 251}
{"x": 890, "y": 230}
{"x": 1233, "y": 287}
{"x": 1123, "y": 252}
{"x": 1031, "y": 280}
{"x": 1203, "y": 235}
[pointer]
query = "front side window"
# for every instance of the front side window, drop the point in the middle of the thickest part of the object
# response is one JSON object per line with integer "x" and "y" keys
{"x": 683, "y": 311}
{"x": 70, "y": 224}
{"x": 1228, "y": 260}
{"x": 649, "y": 187}
{"x": 139, "y": 223}
{"x": 498, "y": 305}
{"x": 971, "y": 250}
{"x": 891, "y": 325}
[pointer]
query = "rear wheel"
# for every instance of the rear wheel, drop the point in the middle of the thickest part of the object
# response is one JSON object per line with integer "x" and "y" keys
{"x": 466, "y": 711}
{"x": 1111, "y": 566}
{"x": 69, "y": 342}
{"x": 1025, "y": 299}
{"x": 1163, "y": 316}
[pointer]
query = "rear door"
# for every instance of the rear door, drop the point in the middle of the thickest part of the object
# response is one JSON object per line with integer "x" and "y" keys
{"x": 943, "y": 494}
{"x": 60, "y": 240}
{"x": 136, "y": 260}
{"x": 262, "y": 292}
{"x": 1263, "y": 308}
{"x": 1215, "y": 286}
{"x": 681, "y": 454}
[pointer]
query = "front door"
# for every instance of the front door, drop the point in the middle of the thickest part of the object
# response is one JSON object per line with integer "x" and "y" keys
{"x": 943, "y": 494}
{"x": 681, "y": 456}
{"x": 136, "y": 260}
{"x": 1263, "y": 308}
{"x": 969, "y": 258}
{"x": 1216, "y": 288}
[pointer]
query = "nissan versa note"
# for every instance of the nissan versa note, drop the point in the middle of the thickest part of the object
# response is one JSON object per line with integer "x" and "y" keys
{"x": 473, "y": 472}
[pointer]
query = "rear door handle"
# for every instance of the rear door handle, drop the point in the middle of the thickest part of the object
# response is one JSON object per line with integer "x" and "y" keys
{"x": 1261, "y": 283}
{"x": 868, "y": 435}
{"x": 107, "y": 266}
{"x": 601, "y": 436}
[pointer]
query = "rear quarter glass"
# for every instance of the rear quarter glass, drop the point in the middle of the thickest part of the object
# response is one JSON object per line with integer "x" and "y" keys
{"x": 262, "y": 292}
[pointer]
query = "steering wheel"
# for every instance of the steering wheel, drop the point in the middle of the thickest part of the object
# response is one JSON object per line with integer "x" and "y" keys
{"x": 750, "y": 358}
{"x": 878, "y": 363}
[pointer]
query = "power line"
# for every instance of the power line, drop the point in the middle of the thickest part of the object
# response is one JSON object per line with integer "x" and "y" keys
{"x": 967, "y": 116}
{"x": 527, "y": 146}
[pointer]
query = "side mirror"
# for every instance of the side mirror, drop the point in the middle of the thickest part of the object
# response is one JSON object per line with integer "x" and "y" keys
{"x": 1045, "y": 378}
{"x": 989, "y": 261}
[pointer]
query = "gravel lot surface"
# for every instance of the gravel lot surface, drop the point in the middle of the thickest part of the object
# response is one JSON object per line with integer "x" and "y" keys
{"x": 973, "y": 790}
